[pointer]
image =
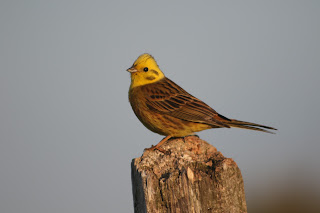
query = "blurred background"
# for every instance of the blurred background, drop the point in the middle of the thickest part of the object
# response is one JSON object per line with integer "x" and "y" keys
{"x": 68, "y": 133}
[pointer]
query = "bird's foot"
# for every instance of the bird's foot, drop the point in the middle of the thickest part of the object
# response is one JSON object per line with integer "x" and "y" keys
{"x": 152, "y": 148}
{"x": 157, "y": 147}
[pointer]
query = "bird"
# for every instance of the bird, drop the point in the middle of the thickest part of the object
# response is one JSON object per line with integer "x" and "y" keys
{"x": 165, "y": 108}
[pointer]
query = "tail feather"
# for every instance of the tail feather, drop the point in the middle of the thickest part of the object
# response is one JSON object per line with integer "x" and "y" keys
{"x": 248, "y": 125}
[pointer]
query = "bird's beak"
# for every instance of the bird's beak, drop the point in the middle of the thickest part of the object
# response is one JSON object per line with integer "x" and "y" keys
{"x": 132, "y": 69}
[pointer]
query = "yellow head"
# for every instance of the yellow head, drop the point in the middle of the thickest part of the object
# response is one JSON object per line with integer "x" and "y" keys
{"x": 145, "y": 70}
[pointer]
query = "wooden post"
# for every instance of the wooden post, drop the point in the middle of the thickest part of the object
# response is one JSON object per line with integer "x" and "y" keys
{"x": 192, "y": 177}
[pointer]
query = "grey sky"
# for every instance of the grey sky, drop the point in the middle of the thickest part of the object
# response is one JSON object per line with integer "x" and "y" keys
{"x": 67, "y": 131}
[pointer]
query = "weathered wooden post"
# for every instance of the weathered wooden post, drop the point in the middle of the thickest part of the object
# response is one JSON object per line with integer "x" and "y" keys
{"x": 193, "y": 177}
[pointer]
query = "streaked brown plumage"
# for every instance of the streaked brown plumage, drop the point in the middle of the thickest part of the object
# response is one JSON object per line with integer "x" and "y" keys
{"x": 167, "y": 109}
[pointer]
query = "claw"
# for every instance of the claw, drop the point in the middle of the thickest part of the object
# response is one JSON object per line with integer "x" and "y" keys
{"x": 157, "y": 147}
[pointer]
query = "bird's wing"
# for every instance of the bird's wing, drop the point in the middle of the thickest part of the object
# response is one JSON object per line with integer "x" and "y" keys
{"x": 166, "y": 97}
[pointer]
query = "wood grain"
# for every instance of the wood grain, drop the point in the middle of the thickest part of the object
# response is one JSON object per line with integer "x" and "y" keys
{"x": 192, "y": 177}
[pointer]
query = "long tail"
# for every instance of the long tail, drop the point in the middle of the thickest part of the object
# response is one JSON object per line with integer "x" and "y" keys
{"x": 248, "y": 125}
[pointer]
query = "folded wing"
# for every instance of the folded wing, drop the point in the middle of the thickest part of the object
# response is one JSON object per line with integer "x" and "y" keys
{"x": 168, "y": 98}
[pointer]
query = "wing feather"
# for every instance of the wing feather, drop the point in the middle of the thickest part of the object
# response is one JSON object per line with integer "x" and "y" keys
{"x": 168, "y": 98}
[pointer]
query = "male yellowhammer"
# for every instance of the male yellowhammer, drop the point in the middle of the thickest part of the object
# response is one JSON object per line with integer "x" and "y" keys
{"x": 167, "y": 109}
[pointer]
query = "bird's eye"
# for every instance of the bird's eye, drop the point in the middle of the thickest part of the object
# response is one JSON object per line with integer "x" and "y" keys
{"x": 145, "y": 69}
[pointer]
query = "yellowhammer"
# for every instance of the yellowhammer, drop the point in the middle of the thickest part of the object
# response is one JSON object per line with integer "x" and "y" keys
{"x": 167, "y": 109}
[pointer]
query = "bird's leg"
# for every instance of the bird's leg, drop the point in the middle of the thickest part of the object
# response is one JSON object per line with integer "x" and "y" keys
{"x": 159, "y": 144}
